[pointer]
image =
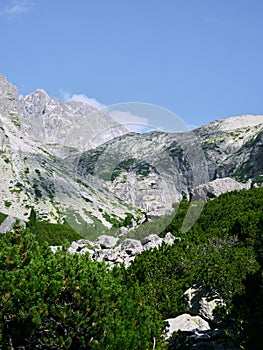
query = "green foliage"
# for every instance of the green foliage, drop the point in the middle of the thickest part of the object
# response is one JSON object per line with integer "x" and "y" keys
{"x": 63, "y": 301}
{"x": 7, "y": 204}
{"x": 222, "y": 252}
{"x": 117, "y": 221}
{"x": 54, "y": 234}
{"x": 2, "y": 217}
{"x": 141, "y": 168}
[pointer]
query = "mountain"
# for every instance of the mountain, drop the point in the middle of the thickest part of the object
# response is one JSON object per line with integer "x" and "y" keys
{"x": 154, "y": 170}
{"x": 69, "y": 161}
{"x": 36, "y": 134}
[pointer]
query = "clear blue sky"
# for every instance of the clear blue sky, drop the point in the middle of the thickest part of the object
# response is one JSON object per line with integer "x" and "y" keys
{"x": 201, "y": 59}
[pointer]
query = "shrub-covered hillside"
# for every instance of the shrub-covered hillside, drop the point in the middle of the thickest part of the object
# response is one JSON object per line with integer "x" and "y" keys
{"x": 63, "y": 301}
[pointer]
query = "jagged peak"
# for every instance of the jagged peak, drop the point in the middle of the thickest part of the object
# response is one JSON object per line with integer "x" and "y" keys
{"x": 7, "y": 88}
{"x": 40, "y": 94}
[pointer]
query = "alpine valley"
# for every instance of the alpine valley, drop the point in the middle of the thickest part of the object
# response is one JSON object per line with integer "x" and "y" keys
{"x": 127, "y": 240}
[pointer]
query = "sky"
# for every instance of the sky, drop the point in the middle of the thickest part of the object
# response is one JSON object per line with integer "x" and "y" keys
{"x": 200, "y": 59}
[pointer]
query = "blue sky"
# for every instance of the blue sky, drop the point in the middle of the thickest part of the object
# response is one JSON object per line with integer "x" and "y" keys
{"x": 200, "y": 59}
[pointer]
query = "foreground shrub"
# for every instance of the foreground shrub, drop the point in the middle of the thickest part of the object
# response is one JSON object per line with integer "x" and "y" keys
{"x": 63, "y": 301}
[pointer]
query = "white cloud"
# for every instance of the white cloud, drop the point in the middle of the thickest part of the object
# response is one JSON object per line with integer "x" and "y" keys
{"x": 131, "y": 121}
{"x": 85, "y": 99}
{"x": 16, "y": 8}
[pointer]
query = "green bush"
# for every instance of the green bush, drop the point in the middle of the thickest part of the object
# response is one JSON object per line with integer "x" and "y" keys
{"x": 63, "y": 301}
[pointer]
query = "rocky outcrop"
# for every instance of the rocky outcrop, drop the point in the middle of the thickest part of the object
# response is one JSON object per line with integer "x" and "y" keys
{"x": 153, "y": 170}
{"x": 199, "y": 324}
{"x": 67, "y": 125}
{"x": 201, "y": 302}
{"x": 216, "y": 187}
{"x": 109, "y": 249}
{"x": 186, "y": 323}
{"x": 8, "y": 224}
{"x": 36, "y": 134}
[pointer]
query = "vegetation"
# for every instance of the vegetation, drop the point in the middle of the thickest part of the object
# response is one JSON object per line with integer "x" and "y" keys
{"x": 53, "y": 234}
{"x": 117, "y": 221}
{"x": 63, "y": 301}
{"x": 2, "y": 217}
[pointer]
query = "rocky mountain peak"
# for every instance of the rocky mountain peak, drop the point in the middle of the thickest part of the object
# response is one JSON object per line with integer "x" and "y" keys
{"x": 71, "y": 158}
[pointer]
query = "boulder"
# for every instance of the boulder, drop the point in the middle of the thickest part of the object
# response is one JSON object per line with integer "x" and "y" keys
{"x": 122, "y": 231}
{"x": 169, "y": 238}
{"x": 106, "y": 241}
{"x": 185, "y": 323}
{"x": 152, "y": 241}
{"x": 87, "y": 250}
{"x": 54, "y": 248}
{"x": 216, "y": 187}
{"x": 9, "y": 222}
{"x": 100, "y": 255}
{"x": 132, "y": 246}
{"x": 201, "y": 303}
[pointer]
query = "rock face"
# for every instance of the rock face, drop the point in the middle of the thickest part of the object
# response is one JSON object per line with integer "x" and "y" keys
{"x": 68, "y": 125}
{"x": 153, "y": 170}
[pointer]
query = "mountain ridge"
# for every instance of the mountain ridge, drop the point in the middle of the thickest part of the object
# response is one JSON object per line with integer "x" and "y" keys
{"x": 68, "y": 160}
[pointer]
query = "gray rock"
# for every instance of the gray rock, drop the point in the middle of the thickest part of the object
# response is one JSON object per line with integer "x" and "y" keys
{"x": 132, "y": 246}
{"x": 111, "y": 255}
{"x": 133, "y": 223}
{"x": 122, "y": 231}
{"x": 8, "y": 224}
{"x": 201, "y": 303}
{"x": 54, "y": 248}
{"x": 169, "y": 238}
{"x": 185, "y": 323}
{"x": 100, "y": 255}
{"x": 106, "y": 241}
{"x": 151, "y": 241}
{"x": 87, "y": 250}
{"x": 216, "y": 187}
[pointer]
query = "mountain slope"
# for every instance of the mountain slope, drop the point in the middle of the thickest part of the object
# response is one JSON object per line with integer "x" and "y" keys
{"x": 72, "y": 162}
{"x": 153, "y": 170}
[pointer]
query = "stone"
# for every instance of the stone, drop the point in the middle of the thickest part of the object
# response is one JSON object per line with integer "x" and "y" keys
{"x": 106, "y": 241}
{"x": 169, "y": 238}
{"x": 8, "y": 224}
{"x": 201, "y": 303}
{"x": 131, "y": 246}
{"x": 54, "y": 248}
{"x": 122, "y": 231}
{"x": 87, "y": 250}
{"x": 216, "y": 187}
{"x": 151, "y": 241}
{"x": 185, "y": 323}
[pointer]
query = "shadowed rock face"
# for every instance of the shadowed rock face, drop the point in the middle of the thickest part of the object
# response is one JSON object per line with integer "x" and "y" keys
{"x": 70, "y": 159}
